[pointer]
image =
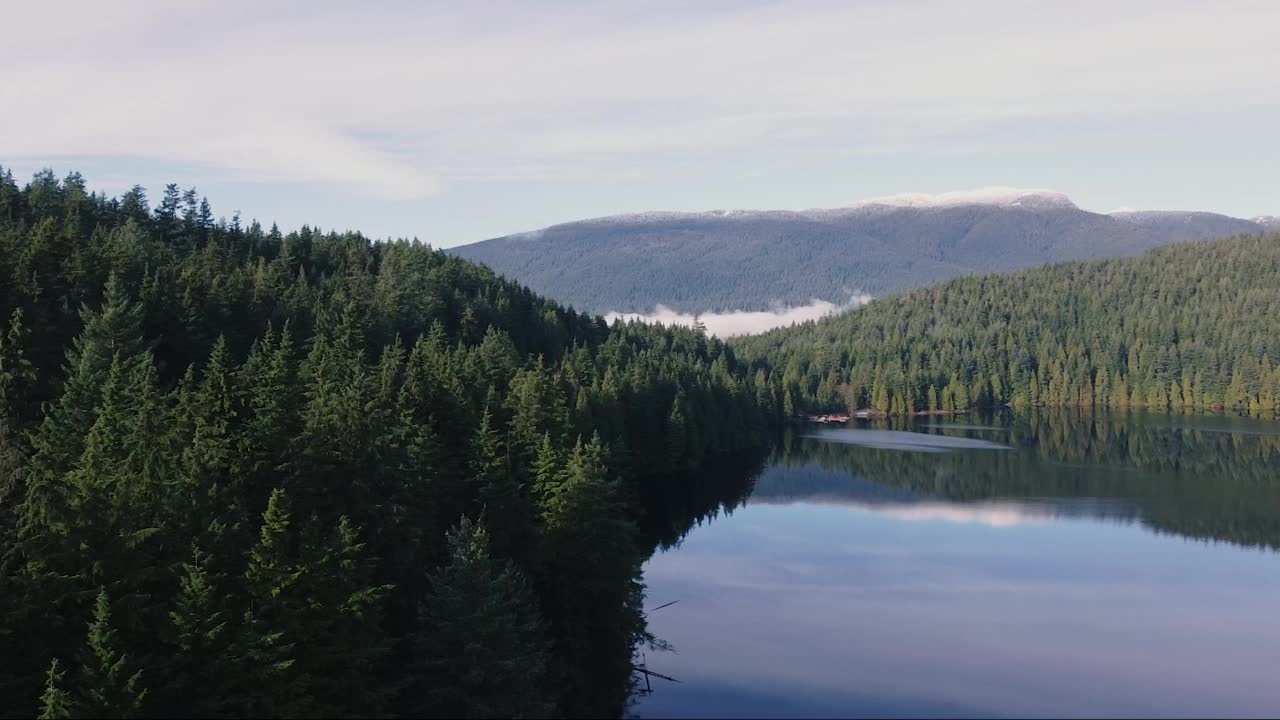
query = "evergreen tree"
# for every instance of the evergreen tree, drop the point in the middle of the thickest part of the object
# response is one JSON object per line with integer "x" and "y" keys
{"x": 107, "y": 687}
{"x": 502, "y": 499}
{"x": 17, "y": 373}
{"x": 197, "y": 679}
{"x": 343, "y": 644}
{"x": 55, "y": 703}
{"x": 677, "y": 432}
{"x": 483, "y": 649}
{"x": 594, "y": 607}
{"x": 270, "y": 683}
{"x": 547, "y": 473}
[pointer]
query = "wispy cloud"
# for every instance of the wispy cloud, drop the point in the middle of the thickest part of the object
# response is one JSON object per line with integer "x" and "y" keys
{"x": 403, "y": 99}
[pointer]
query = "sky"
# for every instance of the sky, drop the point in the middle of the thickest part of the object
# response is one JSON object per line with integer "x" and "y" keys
{"x": 456, "y": 122}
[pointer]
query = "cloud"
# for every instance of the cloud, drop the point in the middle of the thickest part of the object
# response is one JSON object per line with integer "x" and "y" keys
{"x": 403, "y": 99}
{"x": 744, "y": 322}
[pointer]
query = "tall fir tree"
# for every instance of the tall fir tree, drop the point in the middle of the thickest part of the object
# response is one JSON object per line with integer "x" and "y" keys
{"x": 482, "y": 648}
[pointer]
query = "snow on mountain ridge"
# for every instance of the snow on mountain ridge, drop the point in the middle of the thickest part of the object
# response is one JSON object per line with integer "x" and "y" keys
{"x": 999, "y": 195}
{"x": 669, "y": 215}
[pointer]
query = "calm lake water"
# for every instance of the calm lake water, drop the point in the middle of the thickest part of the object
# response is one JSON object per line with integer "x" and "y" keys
{"x": 1055, "y": 565}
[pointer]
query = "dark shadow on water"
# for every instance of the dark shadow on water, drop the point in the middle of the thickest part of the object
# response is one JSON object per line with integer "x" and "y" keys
{"x": 717, "y": 700}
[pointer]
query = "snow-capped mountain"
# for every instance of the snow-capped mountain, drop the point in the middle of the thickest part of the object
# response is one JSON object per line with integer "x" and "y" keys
{"x": 758, "y": 259}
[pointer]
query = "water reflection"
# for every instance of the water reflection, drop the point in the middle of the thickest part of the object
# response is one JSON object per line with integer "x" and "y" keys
{"x": 1052, "y": 579}
{"x": 1207, "y": 478}
{"x": 899, "y": 440}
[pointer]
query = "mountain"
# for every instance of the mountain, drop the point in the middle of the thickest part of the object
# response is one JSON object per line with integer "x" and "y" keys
{"x": 752, "y": 260}
{"x": 1185, "y": 328}
{"x": 1178, "y": 226}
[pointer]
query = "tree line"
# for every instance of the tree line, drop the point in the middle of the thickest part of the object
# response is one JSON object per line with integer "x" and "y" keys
{"x": 1186, "y": 328}
{"x": 253, "y": 473}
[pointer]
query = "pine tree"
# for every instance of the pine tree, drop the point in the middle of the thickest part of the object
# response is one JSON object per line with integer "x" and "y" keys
{"x": 963, "y": 401}
{"x": 505, "y": 504}
{"x": 482, "y": 650}
{"x": 17, "y": 374}
{"x": 537, "y": 405}
{"x": 548, "y": 476}
{"x": 106, "y": 687}
{"x": 269, "y": 378}
{"x": 112, "y": 332}
{"x": 1236, "y": 398}
{"x": 213, "y": 475}
{"x": 880, "y": 400}
{"x": 201, "y": 640}
{"x": 342, "y": 643}
{"x": 594, "y": 604}
{"x": 677, "y": 432}
{"x": 55, "y": 703}
{"x": 1120, "y": 393}
{"x": 268, "y": 681}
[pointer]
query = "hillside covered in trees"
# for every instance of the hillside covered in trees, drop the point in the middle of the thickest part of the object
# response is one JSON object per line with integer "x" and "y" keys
{"x": 1186, "y": 328}
{"x": 752, "y": 260}
{"x": 251, "y": 473}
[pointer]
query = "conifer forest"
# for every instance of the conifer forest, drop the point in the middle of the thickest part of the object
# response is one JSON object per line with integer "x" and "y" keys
{"x": 248, "y": 473}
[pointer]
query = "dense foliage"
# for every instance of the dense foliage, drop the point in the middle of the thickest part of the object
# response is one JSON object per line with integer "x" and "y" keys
{"x": 249, "y": 473}
{"x": 701, "y": 262}
{"x": 1185, "y": 328}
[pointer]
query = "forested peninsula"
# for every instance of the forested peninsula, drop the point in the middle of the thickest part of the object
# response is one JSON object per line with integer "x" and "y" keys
{"x": 247, "y": 473}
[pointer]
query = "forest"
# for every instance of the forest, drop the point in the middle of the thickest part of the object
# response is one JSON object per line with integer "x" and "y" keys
{"x": 1186, "y": 328}
{"x": 249, "y": 473}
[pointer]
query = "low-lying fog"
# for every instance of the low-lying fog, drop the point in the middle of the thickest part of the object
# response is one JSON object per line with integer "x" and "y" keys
{"x": 745, "y": 322}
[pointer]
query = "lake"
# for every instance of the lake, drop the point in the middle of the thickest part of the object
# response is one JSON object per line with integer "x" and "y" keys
{"x": 1046, "y": 565}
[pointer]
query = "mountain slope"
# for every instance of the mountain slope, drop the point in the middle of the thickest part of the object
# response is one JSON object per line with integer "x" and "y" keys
{"x": 1178, "y": 226}
{"x": 747, "y": 260}
{"x": 1190, "y": 327}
